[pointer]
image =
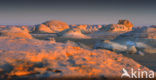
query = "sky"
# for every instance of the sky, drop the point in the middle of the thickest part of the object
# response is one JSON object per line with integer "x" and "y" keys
{"x": 31, "y": 12}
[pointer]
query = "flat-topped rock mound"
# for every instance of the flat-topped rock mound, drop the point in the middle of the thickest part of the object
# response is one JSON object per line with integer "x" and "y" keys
{"x": 34, "y": 58}
{"x": 52, "y": 26}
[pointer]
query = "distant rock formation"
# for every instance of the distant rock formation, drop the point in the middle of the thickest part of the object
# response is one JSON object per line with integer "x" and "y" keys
{"x": 53, "y": 26}
{"x": 123, "y": 25}
{"x": 15, "y": 32}
{"x": 116, "y": 28}
{"x": 127, "y": 23}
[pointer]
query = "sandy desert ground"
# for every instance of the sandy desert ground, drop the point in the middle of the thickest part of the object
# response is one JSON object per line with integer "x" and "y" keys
{"x": 54, "y": 49}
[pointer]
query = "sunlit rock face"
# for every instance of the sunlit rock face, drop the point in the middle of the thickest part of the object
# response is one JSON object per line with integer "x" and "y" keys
{"x": 53, "y": 26}
{"x": 16, "y": 32}
{"x": 42, "y": 28}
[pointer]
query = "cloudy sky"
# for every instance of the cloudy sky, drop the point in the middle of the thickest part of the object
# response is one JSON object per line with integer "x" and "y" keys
{"x": 30, "y": 12}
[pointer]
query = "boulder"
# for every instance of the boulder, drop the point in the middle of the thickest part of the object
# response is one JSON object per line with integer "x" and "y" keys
{"x": 131, "y": 49}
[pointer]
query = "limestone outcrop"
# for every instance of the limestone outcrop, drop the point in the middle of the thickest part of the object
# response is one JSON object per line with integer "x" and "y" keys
{"x": 52, "y": 26}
